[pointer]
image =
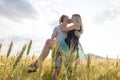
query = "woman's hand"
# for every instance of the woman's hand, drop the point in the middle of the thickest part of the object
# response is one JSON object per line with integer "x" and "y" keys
{"x": 77, "y": 33}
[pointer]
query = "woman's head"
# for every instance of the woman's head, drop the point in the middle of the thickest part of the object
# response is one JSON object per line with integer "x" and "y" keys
{"x": 76, "y": 18}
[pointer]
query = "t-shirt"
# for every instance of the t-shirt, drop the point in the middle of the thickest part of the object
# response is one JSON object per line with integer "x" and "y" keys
{"x": 60, "y": 34}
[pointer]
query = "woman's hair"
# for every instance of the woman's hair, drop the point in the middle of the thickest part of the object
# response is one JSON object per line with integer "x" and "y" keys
{"x": 78, "y": 19}
{"x": 62, "y": 18}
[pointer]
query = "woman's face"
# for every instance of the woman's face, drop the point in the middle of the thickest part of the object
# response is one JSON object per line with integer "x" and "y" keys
{"x": 72, "y": 20}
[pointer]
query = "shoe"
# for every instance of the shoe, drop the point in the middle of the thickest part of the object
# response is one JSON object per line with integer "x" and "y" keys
{"x": 32, "y": 68}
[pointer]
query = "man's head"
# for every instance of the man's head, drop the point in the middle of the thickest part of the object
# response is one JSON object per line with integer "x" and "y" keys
{"x": 64, "y": 20}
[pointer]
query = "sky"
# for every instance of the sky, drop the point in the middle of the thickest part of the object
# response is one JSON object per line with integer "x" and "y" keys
{"x": 25, "y": 20}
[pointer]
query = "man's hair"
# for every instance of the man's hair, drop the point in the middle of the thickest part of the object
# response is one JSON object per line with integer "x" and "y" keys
{"x": 62, "y": 18}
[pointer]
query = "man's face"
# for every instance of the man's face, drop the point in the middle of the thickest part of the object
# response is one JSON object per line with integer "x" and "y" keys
{"x": 66, "y": 21}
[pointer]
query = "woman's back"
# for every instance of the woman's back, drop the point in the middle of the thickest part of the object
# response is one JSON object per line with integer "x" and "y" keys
{"x": 71, "y": 34}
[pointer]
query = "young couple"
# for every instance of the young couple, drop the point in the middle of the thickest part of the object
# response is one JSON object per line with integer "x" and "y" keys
{"x": 64, "y": 35}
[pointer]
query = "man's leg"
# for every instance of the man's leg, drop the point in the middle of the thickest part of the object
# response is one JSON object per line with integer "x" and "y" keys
{"x": 55, "y": 73}
{"x": 58, "y": 65}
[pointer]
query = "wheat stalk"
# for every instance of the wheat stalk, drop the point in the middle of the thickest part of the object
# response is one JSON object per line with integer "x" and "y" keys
{"x": 29, "y": 47}
{"x": 19, "y": 57}
{"x": 9, "y": 50}
{"x": 8, "y": 53}
{"x": 28, "y": 50}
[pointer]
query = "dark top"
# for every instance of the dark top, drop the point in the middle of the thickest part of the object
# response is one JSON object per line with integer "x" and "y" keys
{"x": 72, "y": 40}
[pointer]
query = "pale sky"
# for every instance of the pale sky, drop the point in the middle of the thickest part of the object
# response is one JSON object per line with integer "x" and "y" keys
{"x": 23, "y": 20}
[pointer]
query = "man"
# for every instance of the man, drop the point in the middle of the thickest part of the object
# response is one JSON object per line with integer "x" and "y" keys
{"x": 60, "y": 36}
{"x": 57, "y": 36}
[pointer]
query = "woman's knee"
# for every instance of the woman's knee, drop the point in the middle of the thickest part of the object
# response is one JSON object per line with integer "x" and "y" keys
{"x": 48, "y": 42}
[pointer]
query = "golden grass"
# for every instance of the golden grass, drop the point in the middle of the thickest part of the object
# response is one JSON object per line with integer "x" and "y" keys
{"x": 99, "y": 69}
{"x": 15, "y": 68}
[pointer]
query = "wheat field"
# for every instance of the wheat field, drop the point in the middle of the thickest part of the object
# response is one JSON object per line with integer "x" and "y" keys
{"x": 15, "y": 67}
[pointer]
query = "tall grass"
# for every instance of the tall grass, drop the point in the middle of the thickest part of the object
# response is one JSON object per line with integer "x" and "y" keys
{"x": 95, "y": 69}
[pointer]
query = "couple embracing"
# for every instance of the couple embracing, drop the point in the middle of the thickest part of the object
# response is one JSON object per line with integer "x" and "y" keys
{"x": 65, "y": 38}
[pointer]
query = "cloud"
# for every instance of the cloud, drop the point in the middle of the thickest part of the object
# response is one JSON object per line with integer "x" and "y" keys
{"x": 36, "y": 29}
{"x": 115, "y": 2}
{"x": 108, "y": 14}
{"x": 55, "y": 22}
{"x": 14, "y": 38}
{"x": 16, "y": 9}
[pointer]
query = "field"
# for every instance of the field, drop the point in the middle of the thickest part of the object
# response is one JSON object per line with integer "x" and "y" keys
{"x": 15, "y": 67}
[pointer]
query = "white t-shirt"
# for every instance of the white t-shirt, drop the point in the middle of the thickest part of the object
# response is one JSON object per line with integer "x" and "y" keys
{"x": 60, "y": 34}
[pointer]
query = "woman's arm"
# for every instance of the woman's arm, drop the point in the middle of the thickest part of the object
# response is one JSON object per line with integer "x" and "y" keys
{"x": 65, "y": 29}
{"x": 77, "y": 33}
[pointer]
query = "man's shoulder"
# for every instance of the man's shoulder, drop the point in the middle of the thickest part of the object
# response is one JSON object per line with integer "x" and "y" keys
{"x": 57, "y": 27}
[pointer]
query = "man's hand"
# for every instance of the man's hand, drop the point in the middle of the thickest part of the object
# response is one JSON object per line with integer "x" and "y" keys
{"x": 77, "y": 34}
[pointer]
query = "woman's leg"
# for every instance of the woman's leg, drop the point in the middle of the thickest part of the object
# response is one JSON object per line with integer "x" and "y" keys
{"x": 45, "y": 51}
